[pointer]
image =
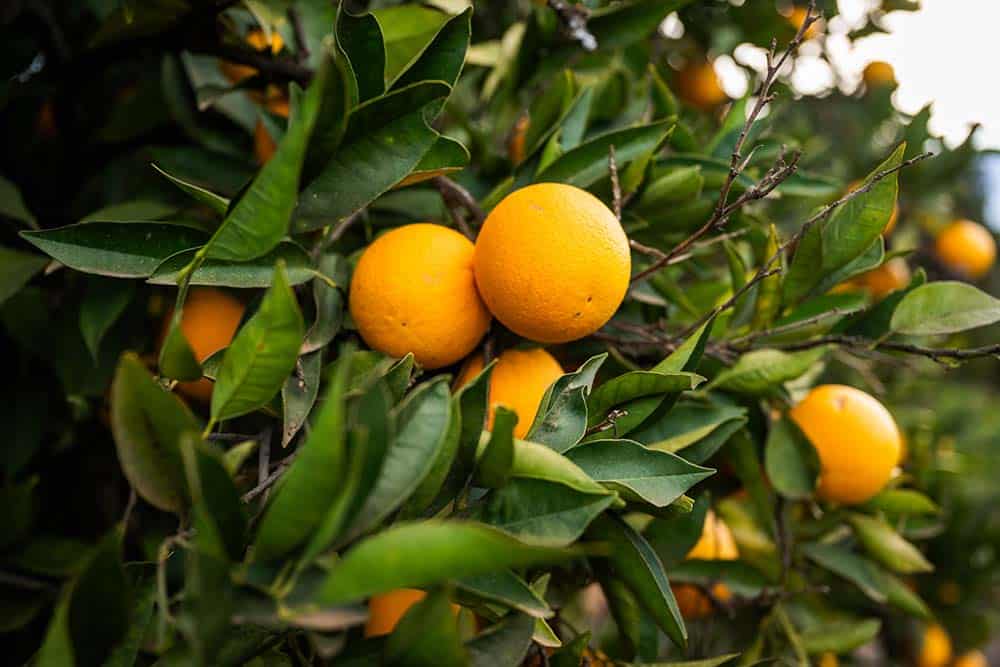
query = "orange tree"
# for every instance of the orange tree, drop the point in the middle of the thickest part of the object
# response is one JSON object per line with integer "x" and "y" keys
{"x": 276, "y": 230}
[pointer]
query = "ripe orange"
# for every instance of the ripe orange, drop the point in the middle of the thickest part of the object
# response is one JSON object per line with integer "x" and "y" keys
{"x": 893, "y": 217}
{"x": 967, "y": 248}
{"x": 552, "y": 262}
{"x": 716, "y": 543}
{"x": 264, "y": 144}
{"x": 971, "y": 659}
{"x": 413, "y": 291}
{"x": 385, "y": 611}
{"x": 935, "y": 649}
{"x": 209, "y": 323}
{"x": 698, "y": 85}
{"x": 829, "y": 660}
{"x": 878, "y": 73}
{"x": 855, "y": 437}
{"x": 518, "y": 382}
{"x": 887, "y": 278}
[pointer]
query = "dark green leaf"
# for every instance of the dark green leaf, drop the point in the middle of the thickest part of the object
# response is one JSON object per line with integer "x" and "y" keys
{"x": 887, "y": 546}
{"x": 299, "y": 394}
{"x": 177, "y": 360}
{"x": 329, "y": 303}
{"x": 427, "y": 553}
{"x": 16, "y": 269}
{"x": 840, "y": 637}
{"x": 790, "y": 460}
{"x": 506, "y": 588}
{"x": 443, "y": 58}
{"x": 498, "y": 457}
{"x": 427, "y": 636}
{"x": 561, "y": 419}
{"x": 261, "y": 355}
{"x": 217, "y": 203}
{"x": 406, "y": 31}
{"x": 588, "y": 163}
{"x": 637, "y": 384}
{"x": 147, "y": 423}
{"x": 943, "y": 308}
{"x": 361, "y": 40}
{"x": 534, "y": 461}
{"x": 900, "y": 596}
{"x": 503, "y": 645}
{"x": 12, "y": 204}
{"x": 859, "y": 571}
{"x": 760, "y": 371}
{"x": 116, "y": 249}
{"x": 672, "y": 539}
{"x": 217, "y": 513}
{"x": 472, "y": 400}
{"x": 257, "y": 272}
{"x": 433, "y": 482}
{"x": 103, "y": 303}
{"x": 637, "y": 473}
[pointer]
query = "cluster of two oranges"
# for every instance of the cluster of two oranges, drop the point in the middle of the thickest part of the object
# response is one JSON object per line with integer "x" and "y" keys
{"x": 551, "y": 263}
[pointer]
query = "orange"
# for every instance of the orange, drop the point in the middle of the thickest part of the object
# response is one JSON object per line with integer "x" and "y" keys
{"x": 971, "y": 659}
{"x": 209, "y": 322}
{"x": 878, "y": 73}
{"x": 716, "y": 543}
{"x": 263, "y": 144}
{"x": 967, "y": 248}
{"x": 518, "y": 382}
{"x": 828, "y": 660}
{"x": 413, "y": 291}
{"x": 386, "y": 610}
{"x": 798, "y": 16}
{"x": 887, "y": 278}
{"x": 552, "y": 262}
{"x": 256, "y": 38}
{"x": 893, "y": 217}
{"x": 855, "y": 437}
{"x": 935, "y": 649}
{"x": 699, "y": 86}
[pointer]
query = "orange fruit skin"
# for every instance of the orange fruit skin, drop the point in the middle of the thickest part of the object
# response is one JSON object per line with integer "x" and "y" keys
{"x": 385, "y": 610}
{"x": 829, "y": 660}
{"x": 413, "y": 291}
{"x": 798, "y": 17}
{"x": 967, "y": 248}
{"x": 699, "y": 86}
{"x": 209, "y": 322}
{"x": 856, "y": 438}
{"x": 263, "y": 144}
{"x": 518, "y": 381}
{"x": 716, "y": 543}
{"x": 971, "y": 659}
{"x": 887, "y": 278}
{"x": 879, "y": 73}
{"x": 552, "y": 262}
{"x": 935, "y": 650}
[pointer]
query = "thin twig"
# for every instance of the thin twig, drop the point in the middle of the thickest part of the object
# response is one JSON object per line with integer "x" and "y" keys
{"x": 781, "y": 170}
{"x": 616, "y": 188}
{"x": 264, "y": 455}
{"x": 455, "y": 199}
{"x": 791, "y": 326}
{"x": 268, "y": 481}
{"x": 759, "y": 276}
{"x": 937, "y": 354}
{"x": 266, "y": 65}
{"x": 333, "y": 233}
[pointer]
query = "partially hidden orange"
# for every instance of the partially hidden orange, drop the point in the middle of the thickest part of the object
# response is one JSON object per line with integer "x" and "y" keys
{"x": 208, "y": 322}
{"x": 716, "y": 543}
{"x": 518, "y": 382}
{"x": 935, "y": 648}
{"x": 386, "y": 610}
{"x": 967, "y": 248}
{"x": 856, "y": 438}
{"x": 698, "y": 85}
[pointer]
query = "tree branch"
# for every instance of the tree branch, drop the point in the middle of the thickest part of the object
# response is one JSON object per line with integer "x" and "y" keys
{"x": 938, "y": 354}
{"x": 272, "y": 67}
{"x": 456, "y": 198}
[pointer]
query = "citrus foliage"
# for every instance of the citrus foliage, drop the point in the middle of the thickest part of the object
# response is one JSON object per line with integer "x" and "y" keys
{"x": 324, "y": 492}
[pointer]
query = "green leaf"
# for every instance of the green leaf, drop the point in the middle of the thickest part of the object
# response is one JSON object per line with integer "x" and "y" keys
{"x": 902, "y": 502}
{"x": 386, "y": 139}
{"x": 621, "y": 24}
{"x": 427, "y": 553}
{"x": 361, "y": 39}
{"x": 423, "y": 426}
{"x": 78, "y": 636}
{"x": 472, "y": 401}
{"x": 739, "y": 577}
{"x": 406, "y": 30}
{"x": 633, "y": 561}
{"x": 546, "y": 112}
{"x": 299, "y": 394}
{"x": 497, "y": 458}
{"x": 147, "y": 423}
{"x": 427, "y": 635}
{"x": 675, "y": 185}
{"x": 16, "y": 269}
{"x": 140, "y": 617}
{"x": 306, "y": 491}
{"x": 633, "y": 625}
{"x": 217, "y": 513}
{"x": 534, "y": 461}
{"x": 588, "y": 163}
{"x": 262, "y": 353}
{"x": 12, "y": 204}
{"x": 505, "y": 644}
{"x": 840, "y": 637}
{"x": 431, "y": 485}
{"x": 874, "y": 323}
{"x": 887, "y": 546}
{"x": 760, "y": 371}
{"x": 18, "y": 510}
{"x": 328, "y": 301}
{"x": 637, "y": 473}
{"x": 259, "y": 220}
{"x": 104, "y": 302}
{"x": 443, "y": 58}
{"x": 506, "y": 588}
{"x": 339, "y": 96}
{"x": 257, "y": 272}
{"x": 858, "y": 570}
{"x": 943, "y": 308}
{"x": 445, "y": 156}
{"x": 561, "y": 419}
{"x": 542, "y": 513}
{"x": 115, "y": 249}
{"x": 637, "y": 384}
{"x": 791, "y": 461}
{"x": 900, "y": 596}
{"x": 177, "y": 360}
{"x": 689, "y": 424}
{"x": 217, "y": 203}
{"x": 723, "y": 143}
